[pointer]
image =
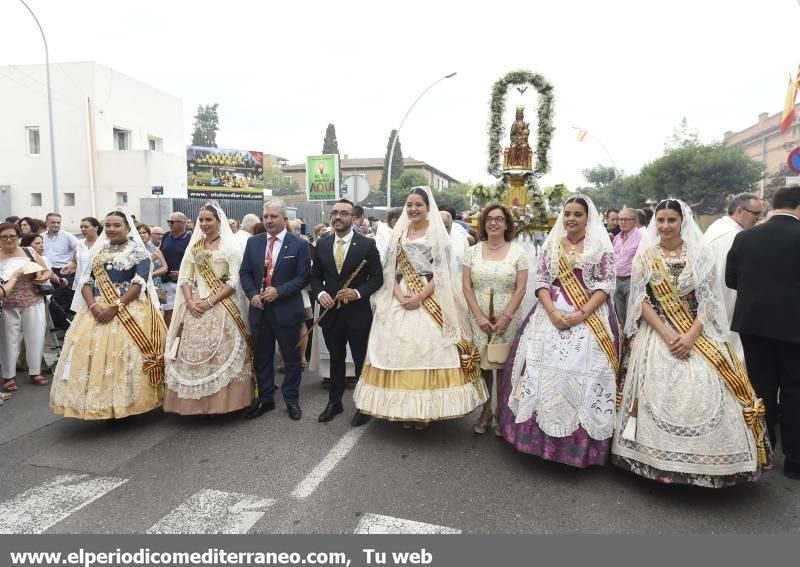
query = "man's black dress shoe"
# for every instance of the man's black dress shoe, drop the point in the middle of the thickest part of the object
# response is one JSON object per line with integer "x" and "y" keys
{"x": 259, "y": 408}
{"x": 331, "y": 410}
{"x": 359, "y": 419}
{"x": 294, "y": 411}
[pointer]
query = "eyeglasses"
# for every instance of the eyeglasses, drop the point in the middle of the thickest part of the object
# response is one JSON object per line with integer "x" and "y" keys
{"x": 174, "y": 221}
{"x": 341, "y": 214}
{"x": 626, "y": 219}
{"x": 758, "y": 214}
{"x": 495, "y": 220}
{"x": 9, "y": 237}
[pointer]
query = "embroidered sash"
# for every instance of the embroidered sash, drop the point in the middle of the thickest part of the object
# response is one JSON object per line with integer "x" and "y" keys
{"x": 733, "y": 374}
{"x": 468, "y": 355}
{"x": 149, "y": 344}
{"x": 207, "y": 273}
{"x": 578, "y": 296}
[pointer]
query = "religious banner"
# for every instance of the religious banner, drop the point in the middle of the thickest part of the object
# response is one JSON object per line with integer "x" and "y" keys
{"x": 322, "y": 177}
{"x": 219, "y": 173}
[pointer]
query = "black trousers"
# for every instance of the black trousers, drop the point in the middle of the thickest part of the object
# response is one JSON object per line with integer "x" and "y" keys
{"x": 337, "y": 336}
{"x": 264, "y": 337}
{"x": 774, "y": 369}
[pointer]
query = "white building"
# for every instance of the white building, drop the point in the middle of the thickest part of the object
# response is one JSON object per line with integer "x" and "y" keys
{"x": 115, "y": 138}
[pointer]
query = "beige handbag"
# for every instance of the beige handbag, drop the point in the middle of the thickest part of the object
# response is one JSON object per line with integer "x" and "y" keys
{"x": 497, "y": 353}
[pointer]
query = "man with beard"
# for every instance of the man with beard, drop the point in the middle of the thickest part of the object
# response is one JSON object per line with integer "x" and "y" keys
{"x": 350, "y": 317}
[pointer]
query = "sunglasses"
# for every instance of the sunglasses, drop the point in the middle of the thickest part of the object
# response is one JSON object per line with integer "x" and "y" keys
{"x": 176, "y": 221}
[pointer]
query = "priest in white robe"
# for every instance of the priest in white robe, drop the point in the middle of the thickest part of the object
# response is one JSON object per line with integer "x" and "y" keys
{"x": 744, "y": 212}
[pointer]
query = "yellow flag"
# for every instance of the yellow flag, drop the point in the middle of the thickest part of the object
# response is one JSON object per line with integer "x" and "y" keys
{"x": 581, "y": 134}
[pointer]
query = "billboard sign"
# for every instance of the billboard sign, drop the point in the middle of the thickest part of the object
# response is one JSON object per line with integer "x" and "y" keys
{"x": 322, "y": 177}
{"x": 220, "y": 173}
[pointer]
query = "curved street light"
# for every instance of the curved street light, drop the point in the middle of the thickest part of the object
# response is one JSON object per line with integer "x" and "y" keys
{"x": 49, "y": 109}
{"x": 602, "y": 145}
{"x": 397, "y": 134}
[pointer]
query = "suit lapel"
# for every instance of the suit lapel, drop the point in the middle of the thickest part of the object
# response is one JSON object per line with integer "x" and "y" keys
{"x": 261, "y": 252}
{"x": 355, "y": 253}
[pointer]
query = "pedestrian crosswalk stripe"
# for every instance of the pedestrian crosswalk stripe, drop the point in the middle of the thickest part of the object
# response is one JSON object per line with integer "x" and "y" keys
{"x": 214, "y": 512}
{"x": 339, "y": 451}
{"x": 39, "y": 508}
{"x": 377, "y": 524}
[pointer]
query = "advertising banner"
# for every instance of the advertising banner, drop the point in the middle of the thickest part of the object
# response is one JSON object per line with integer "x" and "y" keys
{"x": 220, "y": 173}
{"x": 322, "y": 177}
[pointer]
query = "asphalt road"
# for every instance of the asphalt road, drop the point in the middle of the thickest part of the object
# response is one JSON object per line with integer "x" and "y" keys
{"x": 165, "y": 473}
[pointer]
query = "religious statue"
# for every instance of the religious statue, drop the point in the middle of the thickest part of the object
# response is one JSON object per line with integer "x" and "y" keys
{"x": 520, "y": 154}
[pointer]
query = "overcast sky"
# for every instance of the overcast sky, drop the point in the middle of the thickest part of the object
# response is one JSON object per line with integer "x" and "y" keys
{"x": 627, "y": 71}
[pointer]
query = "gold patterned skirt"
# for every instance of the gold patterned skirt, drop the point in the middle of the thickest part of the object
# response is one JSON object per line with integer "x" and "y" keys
{"x": 412, "y": 372}
{"x": 99, "y": 374}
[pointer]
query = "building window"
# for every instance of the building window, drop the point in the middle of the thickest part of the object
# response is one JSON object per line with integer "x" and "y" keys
{"x": 122, "y": 198}
{"x": 122, "y": 139}
{"x": 34, "y": 146}
{"x": 36, "y": 199}
{"x": 154, "y": 144}
{"x": 69, "y": 199}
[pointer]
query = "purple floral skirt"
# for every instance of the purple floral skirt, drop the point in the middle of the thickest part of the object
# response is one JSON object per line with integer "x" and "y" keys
{"x": 577, "y": 450}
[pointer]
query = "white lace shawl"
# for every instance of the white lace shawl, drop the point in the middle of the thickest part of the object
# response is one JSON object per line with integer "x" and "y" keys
{"x": 699, "y": 275}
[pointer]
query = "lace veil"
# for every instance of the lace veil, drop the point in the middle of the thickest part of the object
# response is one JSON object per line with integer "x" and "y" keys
{"x": 699, "y": 275}
{"x": 233, "y": 256}
{"x": 597, "y": 264}
{"x": 135, "y": 247}
{"x": 445, "y": 276}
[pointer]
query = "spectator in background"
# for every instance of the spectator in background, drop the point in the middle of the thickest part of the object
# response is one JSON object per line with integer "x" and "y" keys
{"x": 90, "y": 229}
{"x": 27, "y": 225}
{"x": 240, "y": 236}
{"x": 173, "y": 248}
{"x": 189, "y": 224}
{"x": 23, "y": 310}
{"x": 612, "y": 221}
{"x": 249, "y": 222}
{"x": 626, "y": 243}
{"x": 13, "y": 219}
{"x": 641, "y": 221}
{"x": 41, "y": 226}
{"x": 156, "y": 235}
{"x": 393, "y": 215}
{"x": 59, "y": 246}
{"x": 358, "y": 219}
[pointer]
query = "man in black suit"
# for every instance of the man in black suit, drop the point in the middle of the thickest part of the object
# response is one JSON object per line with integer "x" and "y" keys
{"x": 350, "y": 316}
{"x": 764, "y": 267}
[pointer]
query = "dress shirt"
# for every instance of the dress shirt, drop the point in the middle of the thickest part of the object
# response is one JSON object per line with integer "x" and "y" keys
{"x": 276, "y": 248}
{"x": 625, "y": 247}
{"x": 348, "y": 238}
{"x": 58, "y": 249}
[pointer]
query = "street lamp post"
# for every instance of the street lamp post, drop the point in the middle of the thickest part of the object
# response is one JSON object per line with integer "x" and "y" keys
{"x": 596, "y": 139}
{"x": 397, "y": 134}
{"x": 49, "y": 109}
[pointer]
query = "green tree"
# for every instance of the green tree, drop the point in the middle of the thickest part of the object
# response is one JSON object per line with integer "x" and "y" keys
{"x": 556, "y": 195}
{"x": 703, "y": 175}
{"x": 456, "y": 195}
{"x": 599, "y": 176}
{"x": 403, "y": 184}
{"x": 206, "y": 124}
{"x": 330, "y": 145}
{"x": 397, "y": 162}
{"x": 682, "y": 136}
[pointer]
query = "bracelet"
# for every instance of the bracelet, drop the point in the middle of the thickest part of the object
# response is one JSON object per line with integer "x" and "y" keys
{"x": 507, "y": 316}
{"x": 582, "y": 311}
{"x": 208, "y": 300}
{"x": 92, "y": 305}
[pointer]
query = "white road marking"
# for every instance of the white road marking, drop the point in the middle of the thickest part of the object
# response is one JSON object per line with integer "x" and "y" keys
{"x": 310, "y": 483}
{"x": 377, "y": 524}
{"x": 214, "y": 512}
{"x": 39, "y": 508}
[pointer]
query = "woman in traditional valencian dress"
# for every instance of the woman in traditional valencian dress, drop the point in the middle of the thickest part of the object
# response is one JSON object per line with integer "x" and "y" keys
{"x": 688, "y": 413}
{"x": 209, "y": 353}
{"x": 112, "y": 365}
{"x": 421, "y": 365}
{"x": 557, "y": 400}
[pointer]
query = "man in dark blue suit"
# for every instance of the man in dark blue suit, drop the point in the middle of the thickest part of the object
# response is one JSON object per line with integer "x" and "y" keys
{"x": 275, "y": 268}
